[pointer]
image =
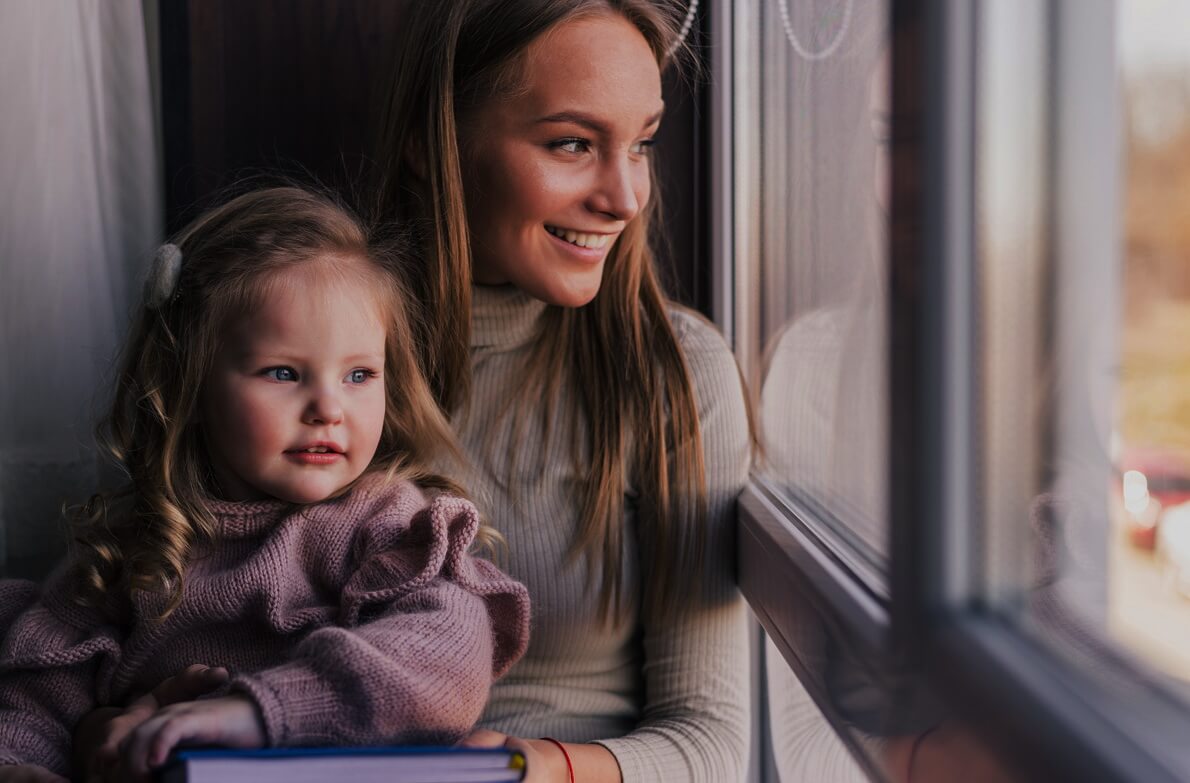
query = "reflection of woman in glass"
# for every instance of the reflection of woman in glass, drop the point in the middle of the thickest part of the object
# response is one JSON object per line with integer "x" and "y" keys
{"x": 823, "y": 392}
{"x": 825, "y": 415}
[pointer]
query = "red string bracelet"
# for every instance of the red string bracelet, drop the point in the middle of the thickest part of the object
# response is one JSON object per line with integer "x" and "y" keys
{"x": 913, "y": 751}
{"x": 565, "y": 755}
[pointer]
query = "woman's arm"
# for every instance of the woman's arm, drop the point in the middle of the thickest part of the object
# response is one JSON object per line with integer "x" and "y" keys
{"x": 695, "y": 718}
{"x": 695, "y": 724}
{"x": 550, "y": 761}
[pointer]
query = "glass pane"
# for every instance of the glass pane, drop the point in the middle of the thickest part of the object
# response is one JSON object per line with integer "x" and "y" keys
{"x": 820, "y": 297}
{"x": 1149, "y": 568}
{"x": 1084, "y": 270}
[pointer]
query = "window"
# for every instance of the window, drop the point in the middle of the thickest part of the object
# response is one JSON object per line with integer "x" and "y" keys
{"x": 961, "y": 289}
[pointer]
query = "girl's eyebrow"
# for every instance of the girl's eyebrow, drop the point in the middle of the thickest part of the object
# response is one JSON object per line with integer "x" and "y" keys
{"x": 287, "y": 358}
{"x": 591, "y": 123}
{"x": 365, "y": 358}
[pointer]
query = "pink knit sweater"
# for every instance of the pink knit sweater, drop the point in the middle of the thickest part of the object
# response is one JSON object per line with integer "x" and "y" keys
{"x": 355, "y": 621}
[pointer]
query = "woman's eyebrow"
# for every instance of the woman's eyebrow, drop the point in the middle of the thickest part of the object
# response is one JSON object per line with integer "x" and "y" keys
{"x": 590, "y": 122}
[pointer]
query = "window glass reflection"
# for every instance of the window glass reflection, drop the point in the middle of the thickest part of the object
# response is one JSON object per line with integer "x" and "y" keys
{"x": 825, "y": 132}
{"x": 1149, "y": 546}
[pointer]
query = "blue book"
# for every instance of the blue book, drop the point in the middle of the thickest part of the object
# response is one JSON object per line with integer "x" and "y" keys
{"x": 363, "y": 765}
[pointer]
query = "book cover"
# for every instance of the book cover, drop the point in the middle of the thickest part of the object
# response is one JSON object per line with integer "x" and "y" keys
{"x": 363, "y": 765}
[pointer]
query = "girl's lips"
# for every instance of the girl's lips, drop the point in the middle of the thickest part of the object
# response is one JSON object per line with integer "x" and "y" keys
{"x": 315, "y": 457}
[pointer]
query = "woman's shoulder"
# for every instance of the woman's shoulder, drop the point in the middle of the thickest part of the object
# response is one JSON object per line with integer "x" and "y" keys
{"x": 713, "y": 369}
{"x": 696, "y": 333}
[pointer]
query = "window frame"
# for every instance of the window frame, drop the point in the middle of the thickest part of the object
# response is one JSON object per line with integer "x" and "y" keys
{"x": 1048, "y": 719}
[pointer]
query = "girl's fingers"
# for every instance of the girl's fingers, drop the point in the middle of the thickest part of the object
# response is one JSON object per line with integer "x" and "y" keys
{"x": 187, "y": 685}
{"x": 231, "y": 721}
{"x": 172, "y": 733}
{"x": 484, "y": 738}
{"x": 182, "y": 728}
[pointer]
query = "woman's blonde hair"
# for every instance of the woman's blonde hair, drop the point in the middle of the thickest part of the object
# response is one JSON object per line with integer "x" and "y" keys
{"x": 630, "y": 380}
{"x": 140, "y": 537}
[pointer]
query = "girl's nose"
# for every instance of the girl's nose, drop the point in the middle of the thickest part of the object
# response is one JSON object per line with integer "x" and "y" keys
{"x": 324, "y": 408}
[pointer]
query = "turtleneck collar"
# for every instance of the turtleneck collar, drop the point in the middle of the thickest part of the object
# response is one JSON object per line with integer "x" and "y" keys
{"x": 245, "y": 519}
{"x": 503, "y": 316}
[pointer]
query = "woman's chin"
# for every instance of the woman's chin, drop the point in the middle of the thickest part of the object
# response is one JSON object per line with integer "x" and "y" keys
{"x": 568, "y": 291}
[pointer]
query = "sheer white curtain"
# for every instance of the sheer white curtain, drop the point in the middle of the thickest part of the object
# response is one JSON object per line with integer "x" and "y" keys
{"x": 80, "y": 213}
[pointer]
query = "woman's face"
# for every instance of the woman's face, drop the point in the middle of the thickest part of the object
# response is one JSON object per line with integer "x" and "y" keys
{"x": 554, "y": 172}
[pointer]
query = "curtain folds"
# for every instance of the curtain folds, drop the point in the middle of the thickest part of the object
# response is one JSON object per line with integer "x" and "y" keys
{"x": 80, "y": 215}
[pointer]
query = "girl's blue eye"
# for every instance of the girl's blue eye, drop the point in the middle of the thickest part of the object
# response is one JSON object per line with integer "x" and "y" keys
{"x": 281, "y": 374}
{"x": 360, "y": 376}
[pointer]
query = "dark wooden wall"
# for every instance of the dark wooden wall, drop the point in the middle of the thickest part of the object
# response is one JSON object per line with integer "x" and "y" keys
{"x": 290, "y": 86}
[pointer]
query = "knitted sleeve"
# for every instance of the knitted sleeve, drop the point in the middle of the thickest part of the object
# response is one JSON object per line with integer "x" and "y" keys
{"x": 423, "y": 631}
{"x": 49, "y": 664}
{"x": 696, "y": 718}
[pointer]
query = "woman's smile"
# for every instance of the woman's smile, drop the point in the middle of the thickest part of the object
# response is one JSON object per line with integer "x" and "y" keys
{"x": 592, "y": 241}
{"x": 590, "y": 248}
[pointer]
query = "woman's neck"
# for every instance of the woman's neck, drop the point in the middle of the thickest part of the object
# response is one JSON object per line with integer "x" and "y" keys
{"x": 503, "y": 316}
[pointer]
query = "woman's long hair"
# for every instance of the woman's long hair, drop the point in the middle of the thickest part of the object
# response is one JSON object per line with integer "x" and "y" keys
{"x": 141, "y": 536}
{"x": 619, "y": 354}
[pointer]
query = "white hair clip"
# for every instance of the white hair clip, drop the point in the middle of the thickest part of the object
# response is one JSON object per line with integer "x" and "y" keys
{"x": 162, "y": 282}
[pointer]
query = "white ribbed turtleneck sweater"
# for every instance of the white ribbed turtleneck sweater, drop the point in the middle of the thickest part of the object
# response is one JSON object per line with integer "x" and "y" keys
{"x": 669, "y": 698}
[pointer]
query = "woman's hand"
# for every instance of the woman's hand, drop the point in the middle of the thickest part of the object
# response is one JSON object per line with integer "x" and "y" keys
{"x": 98, "y": 736}
{"x": 544, "y": 762}
{"x": 946, "y": 753}
{"x": 28, "y": 773}
{"x": 230, "y": 721}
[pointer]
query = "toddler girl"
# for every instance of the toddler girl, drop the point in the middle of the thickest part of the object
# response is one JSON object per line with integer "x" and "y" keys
{"x": 281, "y": 519}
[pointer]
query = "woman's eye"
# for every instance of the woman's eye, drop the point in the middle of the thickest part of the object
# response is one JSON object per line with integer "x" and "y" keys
{"x": 571, "y": 145}
{"x": 643, "y": 147}
{"x": 281, "y": 374}
{"x": 360, "y": 376}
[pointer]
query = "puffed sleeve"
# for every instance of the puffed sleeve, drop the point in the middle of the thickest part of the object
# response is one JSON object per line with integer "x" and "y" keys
{"x": 695, "y": 724}
{"x": 424, "y": 629}
{"x": 50, "y": 660}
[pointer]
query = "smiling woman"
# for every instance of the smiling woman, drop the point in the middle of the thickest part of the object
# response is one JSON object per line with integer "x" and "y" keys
{"x": 556, "y": 165}
{"x": 606, "y": 426}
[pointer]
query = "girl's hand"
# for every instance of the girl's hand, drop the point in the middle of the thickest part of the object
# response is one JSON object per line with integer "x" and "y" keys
{"x": 230, "y": 721}
{"x": 98, "y": 736}
{"x": 544, "y": 762}
{"x": 28, "y": 773}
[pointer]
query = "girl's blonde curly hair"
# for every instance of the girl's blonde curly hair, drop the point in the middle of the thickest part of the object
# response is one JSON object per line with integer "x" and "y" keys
{"x": 140, "y": 537}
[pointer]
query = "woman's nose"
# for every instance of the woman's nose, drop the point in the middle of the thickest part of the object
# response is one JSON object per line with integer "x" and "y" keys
{"x": 616, "y": 195}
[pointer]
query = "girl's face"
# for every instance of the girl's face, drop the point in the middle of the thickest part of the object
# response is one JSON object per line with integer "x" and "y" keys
{"x": 294, "y": 406}
{"x": 554, "y": 172}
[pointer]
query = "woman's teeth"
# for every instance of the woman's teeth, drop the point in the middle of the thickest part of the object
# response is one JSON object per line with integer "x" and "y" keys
{"x": 594, "y": 241}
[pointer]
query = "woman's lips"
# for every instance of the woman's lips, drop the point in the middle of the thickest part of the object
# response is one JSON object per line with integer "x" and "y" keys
{"x": 587, "y": 254}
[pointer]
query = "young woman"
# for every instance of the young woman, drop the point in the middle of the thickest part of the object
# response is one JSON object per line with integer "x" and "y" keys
{"x": 606, "y": 426}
